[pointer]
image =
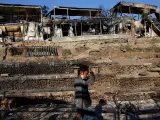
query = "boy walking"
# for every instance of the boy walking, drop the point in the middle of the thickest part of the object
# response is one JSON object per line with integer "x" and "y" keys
{"x": 82, "y": 96}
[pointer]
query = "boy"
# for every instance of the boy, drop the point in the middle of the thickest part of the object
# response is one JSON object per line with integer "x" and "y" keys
{"x": 82, "y": 96}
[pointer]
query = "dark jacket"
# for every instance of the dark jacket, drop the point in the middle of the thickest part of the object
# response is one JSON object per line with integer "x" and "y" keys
{"x": 82, "y": 95}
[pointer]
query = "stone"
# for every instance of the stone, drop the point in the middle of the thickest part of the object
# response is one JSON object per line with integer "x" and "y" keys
{"x": 144, "y": 73}
{"x": 157, "y": 55}
{"x": 66, "y": 116}
{"x": 155, "y": 69}
{"x": 76, "y": 70}
{"x": 4, "y": 75}
{"x": 66, "y": 52}
{"x": 127, "y": 76}
{"x": 123, "y": 49}
{"x": 94, "y": 52}
{"x": 153, "y": 74}
{"x": 95, "y": 69}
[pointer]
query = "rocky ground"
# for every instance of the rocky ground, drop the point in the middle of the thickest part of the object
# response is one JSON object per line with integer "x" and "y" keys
{"x": 126, "y": 68}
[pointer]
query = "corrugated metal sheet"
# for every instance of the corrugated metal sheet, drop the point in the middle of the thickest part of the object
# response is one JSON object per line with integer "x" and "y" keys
{"x": 42, "y": 51}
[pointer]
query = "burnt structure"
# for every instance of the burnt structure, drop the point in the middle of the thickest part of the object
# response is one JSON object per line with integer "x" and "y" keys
{"x": 132, "y": 8}
{"x": 14, "y": 21}
{"x": 74, "y": 11}
{"x": 76, "y": 27}
{"x": 137, "y": 12}
{"x": 15, "y": 13}
{"x": 123, "y": 18}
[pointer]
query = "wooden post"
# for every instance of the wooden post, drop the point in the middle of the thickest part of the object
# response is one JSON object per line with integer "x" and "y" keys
{"x": 145, "y": 27}
{"x": 90, "y": 14}
{"x": 26, "y": 16}
{"x": 129, "y": 10}
{"x": 53, "y": 29}
{"x": 54, "y": 13}
{"x": 81, "y": 29}
{"x": 11, "y": 19}
{"x": 121, "y": 10}
{"x": 23, "y": 30}
{"x": 61, "y": 29}
{"x": 75, "y": 29}
{"x": 151, "y": 30}
{"x": 41, "y": 17}
{"x": 18, "y": 16}
{"x": 130, "y": 15}
{"x": 100, "y": 27}
{"x": 67, "y": 13}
